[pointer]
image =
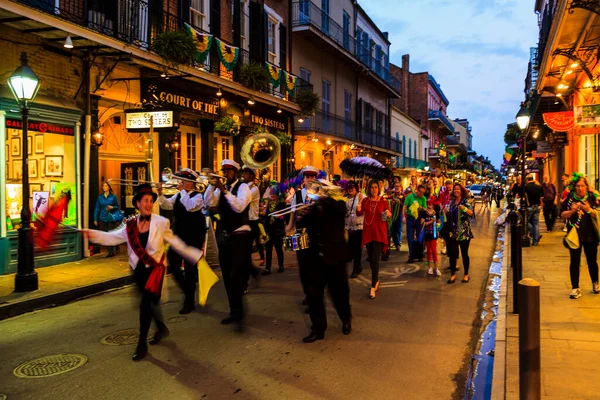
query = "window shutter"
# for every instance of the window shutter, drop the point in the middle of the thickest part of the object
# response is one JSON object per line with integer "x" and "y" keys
{"x": 256, "y": 29}
{"x": 282, "y": 46}
{"x": 184, "y": 10}
{"x": 215, "y": 17}
{"x": 265, "y": 36}
{"x": 237, "y": 23}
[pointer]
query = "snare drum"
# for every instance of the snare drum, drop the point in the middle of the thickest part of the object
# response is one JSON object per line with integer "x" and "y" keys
{"x": 295, "y": 242}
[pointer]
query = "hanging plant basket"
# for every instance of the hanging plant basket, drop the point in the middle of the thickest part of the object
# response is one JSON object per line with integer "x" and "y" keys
{"x": 175, "y": 48}
{"x": 255, "y": 76}
{"x": 308, "y": 102}
{"x": 228, "y": 125}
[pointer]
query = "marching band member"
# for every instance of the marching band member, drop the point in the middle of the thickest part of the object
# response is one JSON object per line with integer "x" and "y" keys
{"x": 249, "y": 176}
{"x": 324, "y": 262}
{"x": 145, "y": 236}
{"x": 190, "y": 225}
{"x": 234, "y": 235}
{"x": 275, "y": 227}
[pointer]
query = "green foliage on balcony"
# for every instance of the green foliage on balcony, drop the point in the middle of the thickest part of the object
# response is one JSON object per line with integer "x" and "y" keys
{"x": 255, "y": 76}
{"x": 175, "y": 48}
{"x": 228, "y": 125}
{"x": 308, "y": 102}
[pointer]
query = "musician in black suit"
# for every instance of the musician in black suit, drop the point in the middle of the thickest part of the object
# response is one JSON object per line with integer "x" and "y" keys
{"x": 190, "y": 225}
{"x": 326, "y": 259}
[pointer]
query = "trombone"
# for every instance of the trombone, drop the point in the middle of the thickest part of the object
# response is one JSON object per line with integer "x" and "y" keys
{"x": 133, "y": 182}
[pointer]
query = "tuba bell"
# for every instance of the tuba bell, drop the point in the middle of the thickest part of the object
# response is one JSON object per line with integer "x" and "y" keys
{"x": 260, "y": 151}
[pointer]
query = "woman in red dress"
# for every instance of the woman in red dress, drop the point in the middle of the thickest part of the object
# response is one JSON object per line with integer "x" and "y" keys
{"x": 376, "y": 211}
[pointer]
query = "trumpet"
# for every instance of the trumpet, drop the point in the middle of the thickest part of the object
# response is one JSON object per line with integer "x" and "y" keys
{"x": 133, "y": 182}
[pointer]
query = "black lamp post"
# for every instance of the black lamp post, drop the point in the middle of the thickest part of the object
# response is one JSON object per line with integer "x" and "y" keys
{"x": 523, "y": 123}
{"x": 24, "y": 85}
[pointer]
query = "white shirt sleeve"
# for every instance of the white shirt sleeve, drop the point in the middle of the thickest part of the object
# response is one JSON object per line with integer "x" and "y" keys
{"x": 211, "y": 196}
{"x": 110, "y": 238}
{"x": 254, "y": 203}
{"x": 191, "y": 204}
{"x": 240, "y": 202}
{"x": 166, "y": 203}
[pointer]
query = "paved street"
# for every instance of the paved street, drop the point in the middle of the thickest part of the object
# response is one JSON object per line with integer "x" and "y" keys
{"x": 412, "y": 342}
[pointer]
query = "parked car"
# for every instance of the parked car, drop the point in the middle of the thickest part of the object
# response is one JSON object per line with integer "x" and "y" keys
{"x": 476, "y": 191}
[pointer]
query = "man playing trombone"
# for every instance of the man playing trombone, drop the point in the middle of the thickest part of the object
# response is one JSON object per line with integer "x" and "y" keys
{"x": 234, "y": 236}
{"x": 190, "y": 225}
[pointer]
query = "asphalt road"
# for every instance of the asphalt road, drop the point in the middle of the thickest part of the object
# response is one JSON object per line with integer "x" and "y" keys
{"x": 413, "y": 341}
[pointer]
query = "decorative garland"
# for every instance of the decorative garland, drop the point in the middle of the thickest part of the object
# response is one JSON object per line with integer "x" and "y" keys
{"x": 227, "y": 54}
{"x": 203, "y": 43}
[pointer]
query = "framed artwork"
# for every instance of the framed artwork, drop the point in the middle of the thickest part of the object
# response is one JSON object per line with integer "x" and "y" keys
{"x": 15, "y": 147}
{"x": 29, "y": 145}
{"x": 40, "y": 202}
{"x": 34, "y": 187}
{"x": 42, "y": 168}
{"x": 33, "y": 168}
{"x": 17, "y": 168}
{"x": 39, "y": 144}
{"x": 54, "y": 166}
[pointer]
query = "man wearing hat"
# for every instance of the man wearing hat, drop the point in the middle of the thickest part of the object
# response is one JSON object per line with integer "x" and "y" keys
{"x": 146, "y": 235}
{"x": 190, "y": 225}
{"x": 234, "y": 235}
{"x": 249, "y": 176}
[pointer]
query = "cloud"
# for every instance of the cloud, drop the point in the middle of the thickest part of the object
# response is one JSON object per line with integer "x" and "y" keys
{"x": 477, "y": 50}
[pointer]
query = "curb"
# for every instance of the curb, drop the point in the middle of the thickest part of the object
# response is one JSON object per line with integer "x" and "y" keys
{"x": 500, "y": 348}
{"x": 55, "y": 299}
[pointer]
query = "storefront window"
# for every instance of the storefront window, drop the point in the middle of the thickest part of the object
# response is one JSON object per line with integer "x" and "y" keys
{"x": 51, "y": 154}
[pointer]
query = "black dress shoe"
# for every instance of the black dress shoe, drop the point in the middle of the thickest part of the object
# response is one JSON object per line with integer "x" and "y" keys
{"x": 161, "y": 334}
{"x": 313, "y": 337}
{"x": 354, "y": 275}
{"x": 304, "y": 301}
{"x": 266, "y": 272}
{"x": 280, "y": 269}
{"x": 229, "y": 320}
{"x": 410, "y": 260}
{"x": 140, "y": 352}
{"x": 187, "y": 308}
{"x": 346, "y": 328}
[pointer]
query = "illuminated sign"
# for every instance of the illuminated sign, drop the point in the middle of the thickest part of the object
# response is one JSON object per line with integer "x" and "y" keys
{"x": 43, "y": 127}
{"x": 269, "y": 123}
{"x": 142, "y": 119}
{"x": 189, "y": 103}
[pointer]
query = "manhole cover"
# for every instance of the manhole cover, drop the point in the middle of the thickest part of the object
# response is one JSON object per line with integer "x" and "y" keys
{"x": 124, "y": 337}
{"x": 173, "y": 320}
{"x": 50, "y": 365}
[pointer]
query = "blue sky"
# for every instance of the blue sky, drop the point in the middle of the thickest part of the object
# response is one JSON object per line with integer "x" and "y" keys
{"x": 477, "y": 50}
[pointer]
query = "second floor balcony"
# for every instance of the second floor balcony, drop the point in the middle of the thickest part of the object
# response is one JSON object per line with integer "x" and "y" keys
{"x": 442, "y": 120}
{"x": 410, "y": 163}
{"x": 454, "y": 142}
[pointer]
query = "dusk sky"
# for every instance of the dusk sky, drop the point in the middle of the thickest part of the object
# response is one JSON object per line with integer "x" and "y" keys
{"x": 477, "y": 50}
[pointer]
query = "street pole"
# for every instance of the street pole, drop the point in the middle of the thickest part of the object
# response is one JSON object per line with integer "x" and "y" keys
{"x": 530, "y": 386}
{"x": 525, "y": 242}
{"x": 26, "y": 278}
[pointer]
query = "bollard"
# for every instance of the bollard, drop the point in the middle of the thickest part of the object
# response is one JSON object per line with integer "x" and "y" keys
{"x": 529, "y": 340}
{"x": 516, "y": 256}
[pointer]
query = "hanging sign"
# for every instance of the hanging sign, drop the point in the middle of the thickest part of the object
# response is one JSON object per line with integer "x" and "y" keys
{"x": 588, "y": 114}
{"x": 559, "y": 121}
{"x": 559, "y": 139}
{"x": 544, "y": 147}
{"x": 43, "y": 127}
{"x": 135, "y": 119}
{"x": 267, "y": 122}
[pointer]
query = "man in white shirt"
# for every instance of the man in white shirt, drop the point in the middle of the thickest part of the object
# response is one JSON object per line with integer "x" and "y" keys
{"x": 234, "y": 235}
{"x": 190, "y": 225}
{"x": 249, "y": 176}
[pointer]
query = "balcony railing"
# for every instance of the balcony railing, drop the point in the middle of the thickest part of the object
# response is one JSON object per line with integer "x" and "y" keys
{"x": 137, "y": 23}
{"x": 547, "y": 18}
{"x": 342, "y": 128}
{"x": 305, "y": 12}
{"x": 413, "y": 163}
{"x": 438, "y": 115}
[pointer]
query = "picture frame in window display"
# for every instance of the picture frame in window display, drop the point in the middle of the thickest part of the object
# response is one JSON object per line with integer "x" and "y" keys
{"x": 42, "y": 168}
{"x": 35, "y": 187}
{"x": 33, "y": 168}
{"x": 39, "y": 144}
{"x": 17, "y": 167}
{"x": 53, "y": 166}
{"x": 40, "y": 203}
{"x": 15, "y": 147}
{"x": 29, "y": 145}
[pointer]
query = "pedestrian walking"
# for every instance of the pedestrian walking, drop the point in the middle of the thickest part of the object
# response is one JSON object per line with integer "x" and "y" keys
{"x": 413, "y": 203}
{"x": 107, "y": 215}
{"x": 444, "y": 201}
{"x": 459, "y": 235}
{"x": 146, "y": 235}
{"x": 550, "y": 200}
{"x": 581, "y": 210}
{"x": 275, "y": 228}
{"x": 533, "y": 201}
{"x": 429, "y": 220}
{"x": 249, "y": 177}
{"x": 189, "y": 224}
{"x": 397, "y": 224}
{"x": 354, "y": 226}
{"x": 376, "y": 212}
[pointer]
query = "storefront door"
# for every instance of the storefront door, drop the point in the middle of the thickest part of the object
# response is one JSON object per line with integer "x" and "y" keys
{"x": 137, "y": 171}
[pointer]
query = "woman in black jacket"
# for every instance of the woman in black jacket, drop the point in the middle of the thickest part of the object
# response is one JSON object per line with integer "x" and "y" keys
{"x": 580, "y": 208}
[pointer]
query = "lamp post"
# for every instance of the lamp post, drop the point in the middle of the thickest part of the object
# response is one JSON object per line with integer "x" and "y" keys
{"x": 523, "y": 123}
{"x": 24, "y": 85}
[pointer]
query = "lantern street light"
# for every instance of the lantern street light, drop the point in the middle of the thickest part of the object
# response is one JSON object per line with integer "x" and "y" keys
{"x": 523, "y": 119}
{"x": 24, "y": 85}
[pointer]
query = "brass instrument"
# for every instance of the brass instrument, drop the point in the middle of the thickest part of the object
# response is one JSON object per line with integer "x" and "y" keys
{"x": 133, "y": 182}
{"x": 318, "y": 189}
{"x": 260, "y": 151}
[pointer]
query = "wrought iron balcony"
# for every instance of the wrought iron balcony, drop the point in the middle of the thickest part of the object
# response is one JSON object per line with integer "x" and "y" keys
{"x": 547, "y": 19}
{"x": 436, "y": 115}
{"x": 138, "y": 22}
{"x": 412, "y": 163}
{"x": 454, "y": 141}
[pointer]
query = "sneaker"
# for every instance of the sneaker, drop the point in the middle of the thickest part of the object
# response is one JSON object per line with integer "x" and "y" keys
{"x": 437, "y": 272}
{"x": 430, "y": 271}
{"x": 596, "y": 287}
{"x": 565, "y": 229}
{"x": 575, "y": 294}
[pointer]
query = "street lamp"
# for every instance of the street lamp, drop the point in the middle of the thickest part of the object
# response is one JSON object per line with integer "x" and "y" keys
{"x": 24, "y": 85}
{"x": 523, "y": 119}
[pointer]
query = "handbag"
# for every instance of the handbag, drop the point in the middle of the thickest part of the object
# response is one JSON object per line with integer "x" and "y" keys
{"x": 116, "y": 216}
{"x": 571, "y": 240}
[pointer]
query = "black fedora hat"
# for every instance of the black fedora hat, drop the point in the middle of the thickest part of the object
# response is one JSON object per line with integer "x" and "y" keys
{"x": 140, "y": 190}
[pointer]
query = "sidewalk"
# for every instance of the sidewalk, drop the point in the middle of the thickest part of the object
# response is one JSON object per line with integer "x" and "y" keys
{"x": 570, "y": 329}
